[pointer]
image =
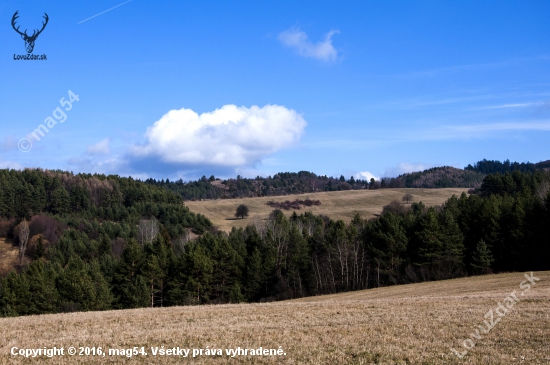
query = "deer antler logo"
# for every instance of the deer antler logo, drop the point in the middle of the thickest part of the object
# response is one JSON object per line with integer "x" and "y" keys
{"x": 29, "y": 40}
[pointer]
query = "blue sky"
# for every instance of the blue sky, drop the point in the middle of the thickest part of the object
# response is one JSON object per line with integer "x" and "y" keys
{"x": 179, "y": 89}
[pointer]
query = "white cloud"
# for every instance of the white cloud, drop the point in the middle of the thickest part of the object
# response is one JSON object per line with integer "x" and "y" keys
{"x": 100, "y": 148}
{"x": 297, "y": 39}
{"x": 10, "y": 165}
{"x": 405, "y": 167}
{"x": 9, "y": 143}
{"x": 365, "y": 175}
{"x": 230, "y": 136}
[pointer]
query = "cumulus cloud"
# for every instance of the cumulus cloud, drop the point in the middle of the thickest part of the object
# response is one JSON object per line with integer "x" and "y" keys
{"x": 405, "y": 167}
{"x": 297, "y": 39}
{"x": 228, "y": 137}
{"x": 365, "y": 175}
{"x": 100, "y": 148}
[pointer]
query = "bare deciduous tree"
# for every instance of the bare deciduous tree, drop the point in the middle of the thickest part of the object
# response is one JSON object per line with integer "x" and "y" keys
{"x": 181, "y": 242}
{"x": 23, "y": 239}
{"x": 542, "y": 190}
{"x": 148, "y": 230}
{"x": 407, "y": 198}
{"x": 395, "y": 207}
{"x": 258, "y": 222}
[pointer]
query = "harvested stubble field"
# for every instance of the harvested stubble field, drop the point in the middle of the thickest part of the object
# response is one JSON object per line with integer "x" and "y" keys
{"x": 335, "y": 204}
{"x": 409, "y": 324}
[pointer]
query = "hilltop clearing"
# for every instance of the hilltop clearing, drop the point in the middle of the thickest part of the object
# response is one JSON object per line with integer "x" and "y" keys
{"x": 335, "y": 204}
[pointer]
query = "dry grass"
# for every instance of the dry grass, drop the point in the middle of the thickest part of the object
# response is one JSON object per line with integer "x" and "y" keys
{"x": 335, "y": 204}
{"x": 9, "y": 257}
{"x": 411, "y": 324}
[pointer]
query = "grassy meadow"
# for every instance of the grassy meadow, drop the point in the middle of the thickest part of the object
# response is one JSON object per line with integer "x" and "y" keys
{"x": 408, "y": 324}
{"x": 335, "y": 204}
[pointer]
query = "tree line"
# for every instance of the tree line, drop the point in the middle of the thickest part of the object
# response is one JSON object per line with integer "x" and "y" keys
{"x": 78, "y": 199}
{"x": 285, "y": 183}
{"x": 502, "y": 226}
{"x": 492, "y": 167}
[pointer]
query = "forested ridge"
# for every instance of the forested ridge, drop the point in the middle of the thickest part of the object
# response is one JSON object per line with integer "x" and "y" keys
{"x": 285, "y": 183}
{"x": 83, "y": 259}
{"x": 118, "y": 203}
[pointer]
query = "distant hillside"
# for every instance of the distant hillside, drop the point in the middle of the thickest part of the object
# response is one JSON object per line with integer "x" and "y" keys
{"x": 286, "y": 183}
{"x": 491, "y": 167}
{"x": 437, "y": 177}
{"x": 336, "y": 205}
{"x": 283, "y": 183}
{"x": 92, "y": 204}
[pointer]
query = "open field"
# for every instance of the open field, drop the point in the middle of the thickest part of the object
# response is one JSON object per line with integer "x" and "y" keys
{"x": 409, "y": 324}
{"x": 335, "y": 204}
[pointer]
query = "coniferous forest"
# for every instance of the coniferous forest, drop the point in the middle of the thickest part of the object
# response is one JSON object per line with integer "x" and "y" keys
{"x": 95, "y": 242}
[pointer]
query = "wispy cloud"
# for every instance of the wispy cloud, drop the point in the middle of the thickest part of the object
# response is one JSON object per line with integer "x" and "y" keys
{"x": 436, "y": 133}
{"x": 298, "y": 40}
{"x": 472, "y": 131}
{"x": 494, "y": 98}
{"x": 8, "y": 144}
{"x": 100, "y": 148}
{"x": 405, "y": 167}
{"x": 518, "y": 61}
{"x": 515, "y": 105}
{"x": 10, "y": 165}
{"x": 532, "y": 126}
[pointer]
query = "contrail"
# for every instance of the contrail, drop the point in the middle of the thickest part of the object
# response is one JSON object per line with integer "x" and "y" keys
{"x": 103, "y": 12}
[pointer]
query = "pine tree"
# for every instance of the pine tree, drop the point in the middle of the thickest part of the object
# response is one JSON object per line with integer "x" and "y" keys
{"x": 482, "y": 258}
{"x": 235, "y": 294}
{"x": 131, "y": 288}
{"x": 16, "y": 299}
{"x": 76, "y": 288}
{"x": 61, "y": 201}
{"x": 199, "y": 267}
{"x": 43, "y": 292}
{"x": 254, "y": 276}
{"x": 103, "y": 297}
{"x": 39, "y": 249}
